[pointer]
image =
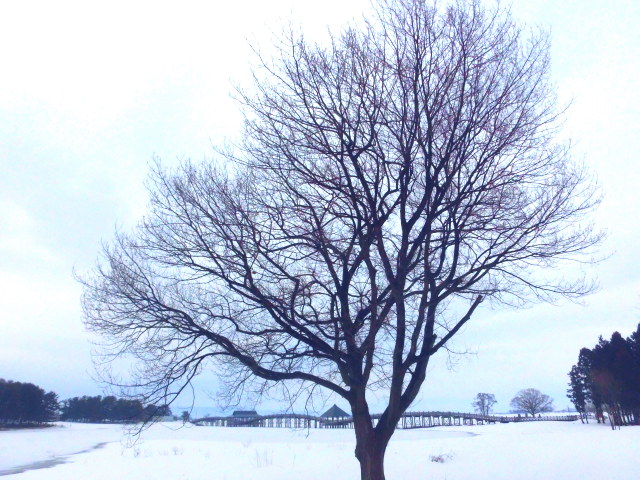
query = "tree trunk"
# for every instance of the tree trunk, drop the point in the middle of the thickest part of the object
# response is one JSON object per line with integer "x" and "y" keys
{"x": 370, "y": 454}
{"x": 370, "y": 444}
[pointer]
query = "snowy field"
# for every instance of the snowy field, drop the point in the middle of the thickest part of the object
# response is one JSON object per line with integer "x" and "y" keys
{"x": 527, "y": 451}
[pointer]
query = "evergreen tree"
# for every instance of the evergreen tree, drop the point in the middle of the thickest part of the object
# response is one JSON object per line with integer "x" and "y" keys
{"x": 25, "y": 404}
{"x": 100, "y": 409}
{"x": 609, "y": 377}
{"x": 578, "y": 392}
{"x": 634, "y": 376}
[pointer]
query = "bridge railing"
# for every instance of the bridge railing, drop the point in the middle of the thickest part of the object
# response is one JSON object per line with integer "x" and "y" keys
{"x": 323, "y": 422}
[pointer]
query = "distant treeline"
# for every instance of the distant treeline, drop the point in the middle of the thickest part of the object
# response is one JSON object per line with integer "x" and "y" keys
{"x": 25, "y": 404}
{"x": 109, "y": 409}
{"x": 607, "y": 378}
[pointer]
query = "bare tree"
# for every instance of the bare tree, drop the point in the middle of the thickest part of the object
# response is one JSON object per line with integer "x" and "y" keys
{"x": 532, "y": 401}
{"x": 408, "y": 166}
{"x": 484, "y": 403}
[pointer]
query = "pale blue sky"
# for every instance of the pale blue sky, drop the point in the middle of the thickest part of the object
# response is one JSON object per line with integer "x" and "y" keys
{"x": 90, "y": 91}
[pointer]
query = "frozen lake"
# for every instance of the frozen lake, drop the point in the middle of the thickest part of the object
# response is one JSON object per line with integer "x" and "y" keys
{"x": 527, "y": 451}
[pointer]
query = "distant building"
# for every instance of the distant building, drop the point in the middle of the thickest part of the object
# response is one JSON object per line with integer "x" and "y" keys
{"x": 166, "y": 418}
{"x": 335, "y": 413}
{"x": 244, "y": 414}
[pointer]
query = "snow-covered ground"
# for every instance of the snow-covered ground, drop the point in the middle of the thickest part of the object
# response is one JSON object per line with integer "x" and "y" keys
{"x": 527, "y": 451}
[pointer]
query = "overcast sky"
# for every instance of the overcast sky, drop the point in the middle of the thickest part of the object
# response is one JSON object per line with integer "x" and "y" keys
{"x": 91, "y": 91}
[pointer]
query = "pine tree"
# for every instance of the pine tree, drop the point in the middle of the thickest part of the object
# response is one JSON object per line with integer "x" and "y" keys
{"x": 578, "y": 392}
{"x": 609, "y": 377}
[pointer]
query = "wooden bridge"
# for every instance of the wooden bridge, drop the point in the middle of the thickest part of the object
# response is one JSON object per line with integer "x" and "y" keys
{"x": 408, "y": 420}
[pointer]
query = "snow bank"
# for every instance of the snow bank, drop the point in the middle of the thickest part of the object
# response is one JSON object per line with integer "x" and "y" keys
{"x": 527, "y": 451}
{"x": 21, "y": 447}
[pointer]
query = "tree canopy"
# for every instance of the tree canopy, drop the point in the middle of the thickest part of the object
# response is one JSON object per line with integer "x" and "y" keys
{"x": 407, "y": 165}
{"x": 532, "y": 401}
{"x": 25, "y": 403}
{"x": 608, "y": 376}
{"x": 99, "y": 409}
{"x": 484, "y": 402}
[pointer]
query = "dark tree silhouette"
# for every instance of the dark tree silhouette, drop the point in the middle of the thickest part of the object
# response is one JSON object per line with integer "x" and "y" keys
{"x": 110, "y": 409}
{"x": 609, "y": 376}
{"x": 26, "y": 404}
{"x": 578, "y": 391}
{"x": 532, "y": 401}
{"x": 633, "y": 377}
{"x": 407, "y": 166}
{"x": 50, "y": 407}
{"x": 484, "y": 402}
